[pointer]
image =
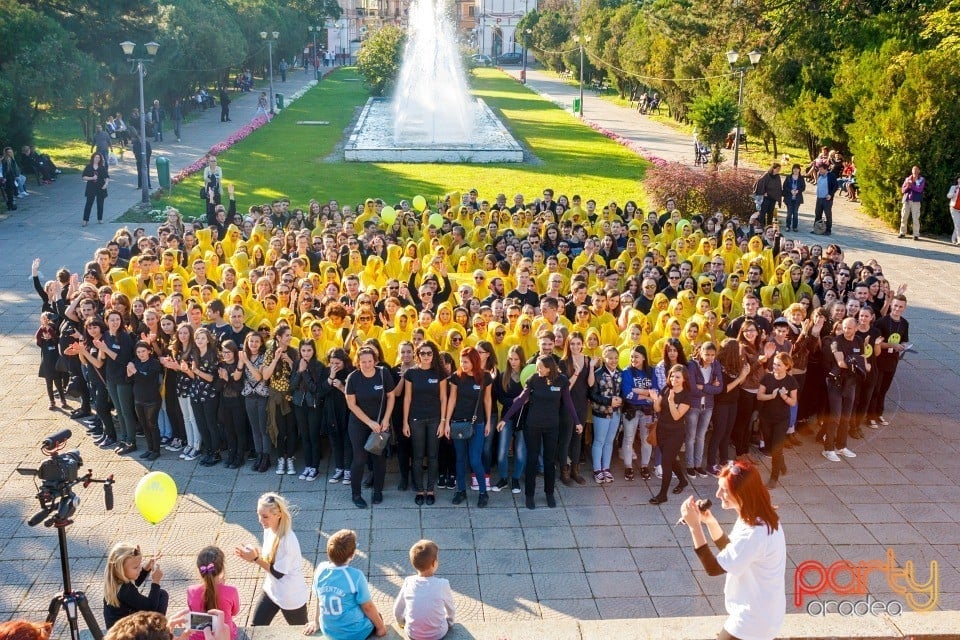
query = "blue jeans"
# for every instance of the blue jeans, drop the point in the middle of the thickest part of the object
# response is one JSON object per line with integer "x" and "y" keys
{"x": 166, "y": 429}
{"x": 604, "y": 433}
{"x": 793, "y": 209}
{"x": 471, "y": 449}
{"x": 519, "y": 451}
{"x": 122, "y": 397}
{"x": 697, "y": 422}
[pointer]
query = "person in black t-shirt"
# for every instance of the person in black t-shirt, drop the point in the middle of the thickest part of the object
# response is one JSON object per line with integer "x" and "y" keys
{"x": 370, "y": 401}
{"x": 672, "y": 403}
{"x": 470, "y": 398}
{"x": 548, "y": 394}
{"x": 777, "y": 393}
{"x": 895, "y": 333}
{"x": 424, "y": 396}
{"x": 145, "y": 372}
{"x": 846, "y": 352}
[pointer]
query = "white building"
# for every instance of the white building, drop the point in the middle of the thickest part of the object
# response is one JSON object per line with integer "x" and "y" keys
{"x": 495, "y": 25}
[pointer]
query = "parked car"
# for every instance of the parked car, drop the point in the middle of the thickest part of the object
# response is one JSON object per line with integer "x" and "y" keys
{"x": 510, "y": 58}
{"x": 481, "y": 60}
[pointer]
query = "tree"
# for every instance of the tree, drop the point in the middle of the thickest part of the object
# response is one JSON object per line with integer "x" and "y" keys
{"x": 378, "y": 60}
{"x": 714, "y": 116}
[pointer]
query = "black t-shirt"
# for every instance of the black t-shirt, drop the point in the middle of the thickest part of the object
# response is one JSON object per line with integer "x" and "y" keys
{"x": 530, "y": 297}
{"x": 370, "y": 393}
{"x": 546, "y": 400}
{"x": 146, "y": 381}
{"x": 468, "y": 391}
{"x": 776, "y": 410}
{"x": 894, "y": 332}
{"x": 115, "y": 369}
{"x": 666, "y": 418}
{"x": 425, "y": 393}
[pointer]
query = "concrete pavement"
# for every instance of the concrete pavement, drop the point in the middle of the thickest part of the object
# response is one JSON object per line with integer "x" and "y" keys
{"x": 605, "y": 554}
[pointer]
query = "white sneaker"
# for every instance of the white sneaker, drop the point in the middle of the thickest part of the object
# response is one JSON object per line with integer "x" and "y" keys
{"x": 873, "y": 424}
{"x": 290, "y": 470}
{"x": 313, "y": 475}
{"x": 346, "y": 476}
{"x": 305, "y": 474}
{"x": 846, "y": 453}
{"x": 281, "y": 466}
{"x": 883, "y": 421}
{"x": 337, "y": 476}
{"x": 474, "y": 485}
{"x": 658, "y": 471}
{"x": 831, "y": 456}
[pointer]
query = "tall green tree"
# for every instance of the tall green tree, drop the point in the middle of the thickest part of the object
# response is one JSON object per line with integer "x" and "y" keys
{"x": 378, "y": 60}
{"x": 714, "y": 115}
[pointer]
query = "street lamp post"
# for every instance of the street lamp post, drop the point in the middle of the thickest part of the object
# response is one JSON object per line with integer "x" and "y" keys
{"x": 270, "y": 40}
{"x": 732, "y": 57}
{"x": 316, "y": 59}
{"x": 152, "y": 48}
{"x": 523, "y": 72}
{"x": 581, "y": 42}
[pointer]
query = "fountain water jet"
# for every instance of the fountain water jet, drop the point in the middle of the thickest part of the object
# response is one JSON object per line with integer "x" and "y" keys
{"x": 433, "y": 117}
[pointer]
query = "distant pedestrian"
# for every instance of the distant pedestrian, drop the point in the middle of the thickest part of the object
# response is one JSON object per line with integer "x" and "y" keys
{"x": 262, "y": 105}
{"x": 177, "y": 116}
{"x": 283, "y": 70}
{"x": 9, "y": 175}
{"x": 157, "y": 116}
{"x": 102, "y": 142}
{"x": 142, "y": 167}
{"x": 953, "y": 197}
{"x": 224, "y": 105}
{"x": 96, "y": 177}
{"x": 912, "y": 191}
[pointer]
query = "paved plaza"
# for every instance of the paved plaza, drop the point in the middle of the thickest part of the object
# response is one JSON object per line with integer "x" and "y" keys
{"x": 603, "y": 554}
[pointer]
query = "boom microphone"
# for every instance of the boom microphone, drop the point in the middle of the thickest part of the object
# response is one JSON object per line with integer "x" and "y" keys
{"x": 108, "y": 494}
{"x": 57, "y": 439}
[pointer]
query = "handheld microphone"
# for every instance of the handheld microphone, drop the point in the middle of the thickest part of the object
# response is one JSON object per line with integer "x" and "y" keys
{"x": 702, "y": 505}
{"x": 108, "y": 494}
{"x": 57, "y": 439}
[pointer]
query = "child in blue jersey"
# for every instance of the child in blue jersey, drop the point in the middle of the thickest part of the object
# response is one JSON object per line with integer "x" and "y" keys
{"x": 344, "y": 608}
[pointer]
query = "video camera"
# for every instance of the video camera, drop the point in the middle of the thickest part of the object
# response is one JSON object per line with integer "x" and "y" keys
{"x": 58, "y": 474}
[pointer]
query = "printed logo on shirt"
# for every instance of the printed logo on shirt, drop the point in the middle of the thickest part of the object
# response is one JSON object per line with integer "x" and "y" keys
{"x": 476, "y": 387}
{"x": 378, "y": 387}
{"x": 433, "y": 380}
{"x": 555, "y": 389}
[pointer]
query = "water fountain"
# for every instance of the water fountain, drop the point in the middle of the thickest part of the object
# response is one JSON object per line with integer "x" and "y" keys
{"x": 432, "y": 117}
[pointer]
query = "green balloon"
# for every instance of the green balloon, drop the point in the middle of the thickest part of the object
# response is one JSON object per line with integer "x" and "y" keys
{"x": 526, "y": 372}
{"x": 435, "y": 220}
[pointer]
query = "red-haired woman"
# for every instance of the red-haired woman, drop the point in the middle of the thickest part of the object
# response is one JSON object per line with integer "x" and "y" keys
{"x": 469, "y": 398}
{"x": 754, "y": 556}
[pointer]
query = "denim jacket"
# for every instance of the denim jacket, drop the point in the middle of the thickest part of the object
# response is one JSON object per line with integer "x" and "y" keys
{"x": 711, "y": 387}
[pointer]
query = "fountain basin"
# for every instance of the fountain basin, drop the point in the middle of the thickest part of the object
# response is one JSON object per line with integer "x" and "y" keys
{"x": 372, "y": 140}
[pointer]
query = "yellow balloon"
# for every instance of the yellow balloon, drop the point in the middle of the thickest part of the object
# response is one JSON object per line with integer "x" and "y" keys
{"x": 419, "y": 203}
{"x": 435, "y": 220}
{"x": 388, "y": 215}
{"x": 155, "y": 496}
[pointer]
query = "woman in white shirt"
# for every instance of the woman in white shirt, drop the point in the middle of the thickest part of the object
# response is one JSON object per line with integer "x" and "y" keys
{"x": 753, "y": 557}
{"x": 284, "y": 587}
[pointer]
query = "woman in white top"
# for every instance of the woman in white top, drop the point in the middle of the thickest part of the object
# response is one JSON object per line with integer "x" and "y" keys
{"x": 953, "y": 198}
{"x": 753, "y": 558}
{"x": 284, "y": 587}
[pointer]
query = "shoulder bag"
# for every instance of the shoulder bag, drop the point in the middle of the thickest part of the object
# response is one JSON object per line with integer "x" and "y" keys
{"x": 377, "y": 442}
{"x": 463, "y": 429}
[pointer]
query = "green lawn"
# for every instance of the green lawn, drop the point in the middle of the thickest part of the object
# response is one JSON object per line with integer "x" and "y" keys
{"x": 61, "y": 137}
{"x": 286, "y": 159}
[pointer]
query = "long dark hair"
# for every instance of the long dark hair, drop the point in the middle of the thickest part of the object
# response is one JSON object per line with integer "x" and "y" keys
{"x": 552, "y": 369}
{"x": 646, "y": 361}
{"x": 674, "y": 342}
{"x": 436, "y": 365}
{"x": 210, "y": 564}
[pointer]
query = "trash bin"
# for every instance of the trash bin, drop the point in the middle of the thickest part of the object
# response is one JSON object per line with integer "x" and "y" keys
{"x": 576, "y": 105}
{"x": 279, "y": 101}
{"x": 163, "y": 172}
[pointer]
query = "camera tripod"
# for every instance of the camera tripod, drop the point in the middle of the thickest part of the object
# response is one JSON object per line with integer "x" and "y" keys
{"x": 69, "y": 600}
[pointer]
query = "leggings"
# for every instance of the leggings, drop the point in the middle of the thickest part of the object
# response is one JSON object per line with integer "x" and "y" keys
{"x": 122, "y": 397}
{"x": 746, "y": 403}
{"x": 358, "y": 437}
{"x": 537, "y": 436}
{"x": 172, "y": 408}
{"x": 718, "y": 450}
{"x": 340, "y": 444}
{"x": 57, "y": 380}
{"x": 234, "y": 421}
{"x": 446, "y": 458}
{"x": 287, "y": 436}
{"x": 266, "y": 610}
{"x": 670, "y": 440}
{"x": 257, "y": 413}
{"x": 777, "y": 433}
{"x": 308, "y": 425}
{"x": 404, "y": 449}
{"x": 205, "y": 413}
{"x": 189, "y": 423}
{"x": 147, "y": 414}
{"x": 425, "y": 443}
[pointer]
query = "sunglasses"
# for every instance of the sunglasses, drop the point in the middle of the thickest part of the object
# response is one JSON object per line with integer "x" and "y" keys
{"x": 500, "y": 334}
{"x": 456, "y": 339}
{"x": 425, "y": 353}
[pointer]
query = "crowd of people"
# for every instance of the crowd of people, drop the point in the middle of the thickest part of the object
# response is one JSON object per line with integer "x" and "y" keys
{"x": 478, "y": 342}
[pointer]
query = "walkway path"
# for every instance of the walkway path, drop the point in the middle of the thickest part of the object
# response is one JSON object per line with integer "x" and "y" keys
{"x": 604, "y": 554}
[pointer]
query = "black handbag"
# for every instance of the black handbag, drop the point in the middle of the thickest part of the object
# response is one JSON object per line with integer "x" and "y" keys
{"x": 378, "y": 441}
{"x": 463, "y": 429}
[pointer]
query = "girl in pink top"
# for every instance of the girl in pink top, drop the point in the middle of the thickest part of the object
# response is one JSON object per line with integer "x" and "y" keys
{"x": 213, "y": 593}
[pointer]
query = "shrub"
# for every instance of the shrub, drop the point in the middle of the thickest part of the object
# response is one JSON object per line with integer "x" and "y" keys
{"x": 700, "y": 191}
